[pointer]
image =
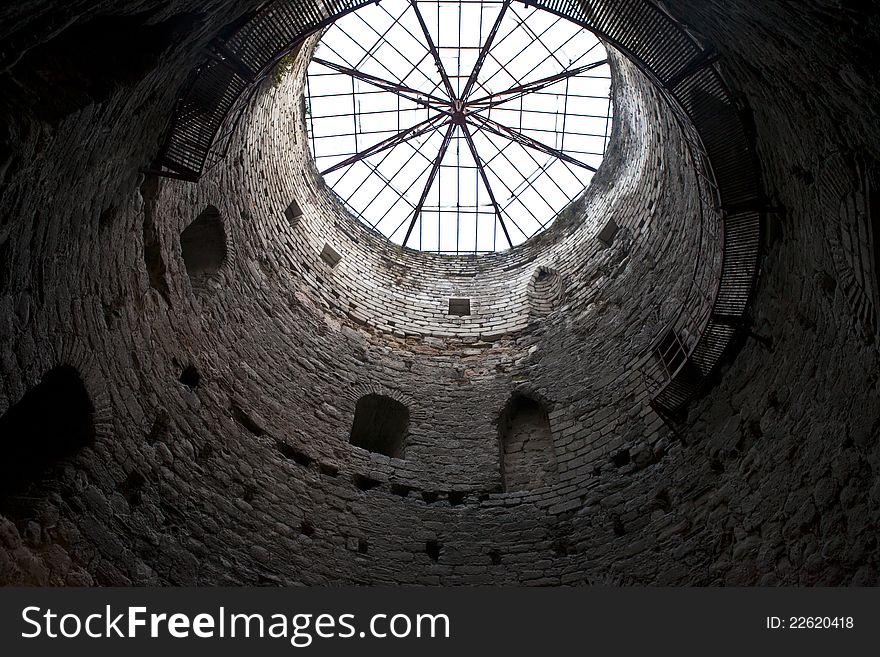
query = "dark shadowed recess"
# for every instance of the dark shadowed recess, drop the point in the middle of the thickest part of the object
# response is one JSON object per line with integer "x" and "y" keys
{"x": 528, "y": 459}
{"x": 89, "y": 60}
{"x": 380, "y": 425}
{"x": 203, "y": 246}
{"x": 49, "y": 425}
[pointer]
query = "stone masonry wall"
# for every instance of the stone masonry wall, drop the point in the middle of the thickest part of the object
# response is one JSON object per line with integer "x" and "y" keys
{"x": 528, "y": 457}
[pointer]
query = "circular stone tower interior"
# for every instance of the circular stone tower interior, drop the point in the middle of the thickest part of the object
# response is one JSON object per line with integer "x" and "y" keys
{"x": 218, "y": 370}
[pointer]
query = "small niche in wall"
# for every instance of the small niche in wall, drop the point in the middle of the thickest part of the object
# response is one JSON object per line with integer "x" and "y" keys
{"x": 528, "y": 459}
{"x": 364, "y": 483}
{"x": 460, "y": 306}
{"x": 297, "y": 456}
{"x": 433, "y": 549}
{"x": 51, "y": 423}
{"x": 244, "y": 419}
{"x": 190, "y": 377}
{"x": 293, "y": 213}
{"x": 380, "y": 425}
{"x": 203, "y": 247}
{"x": 545, "y": 291}
{"x": 330, "y": 255}
{"x": 621, "y": 458}
{"x": 609, "y": 230}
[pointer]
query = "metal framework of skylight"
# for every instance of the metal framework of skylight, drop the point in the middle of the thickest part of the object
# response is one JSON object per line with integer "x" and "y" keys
{"x": 457, "y": 126}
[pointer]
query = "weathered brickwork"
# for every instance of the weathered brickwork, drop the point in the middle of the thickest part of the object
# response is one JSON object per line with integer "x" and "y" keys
{"x": 528, "y": 459}
{"x": 222, "y": 419}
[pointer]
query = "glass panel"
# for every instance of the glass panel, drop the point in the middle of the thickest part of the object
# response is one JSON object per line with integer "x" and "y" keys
{"x": 374, "y": 81}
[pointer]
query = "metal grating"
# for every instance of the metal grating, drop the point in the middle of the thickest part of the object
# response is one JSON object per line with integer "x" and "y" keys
{"x": 234, "y": 65}
{"x": 477, "y": 159}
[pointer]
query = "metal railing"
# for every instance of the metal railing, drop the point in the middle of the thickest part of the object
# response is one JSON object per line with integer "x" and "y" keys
{"x": 731, "y": 198}
{"x": 217, "y": 91}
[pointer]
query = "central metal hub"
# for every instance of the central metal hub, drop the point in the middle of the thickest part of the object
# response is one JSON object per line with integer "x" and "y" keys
{"x": 459, "y": 111}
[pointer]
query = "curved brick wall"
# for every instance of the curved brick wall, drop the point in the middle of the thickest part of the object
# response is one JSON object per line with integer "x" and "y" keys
{"x": 405, "y": 293}
{"x": 244, "y": 474}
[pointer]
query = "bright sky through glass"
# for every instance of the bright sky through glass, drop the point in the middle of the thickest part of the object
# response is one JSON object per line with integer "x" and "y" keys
{"x": 457, "y": 126}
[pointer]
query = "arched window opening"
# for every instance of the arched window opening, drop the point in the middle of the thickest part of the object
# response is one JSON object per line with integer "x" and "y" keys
{"x": 51, "y": 423}
{"x": 545, "y": 291}
{"x": 380, "y": 425}
{"x": 528, "y": 460}
{"x": 203, "y": 246}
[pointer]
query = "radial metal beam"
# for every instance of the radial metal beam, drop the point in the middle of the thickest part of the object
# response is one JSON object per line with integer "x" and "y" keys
{"x": 518, "y": 137}
{"x": 404, "y": 135}
{"x": 418, "y": 209}
{"x": 482, "y": 170}
{"x": 532, "y": 87}
{"x": 402, "y": 90}
{"x": 484, "y": 51}
{"x": 433, "y": 50}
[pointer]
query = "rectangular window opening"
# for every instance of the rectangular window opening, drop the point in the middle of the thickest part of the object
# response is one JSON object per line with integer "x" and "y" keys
{"x": 606, "y": 235}
{"x": 330, "y": 255}
{"x": 460, "y": 306}
{"x": 293, "y": 213}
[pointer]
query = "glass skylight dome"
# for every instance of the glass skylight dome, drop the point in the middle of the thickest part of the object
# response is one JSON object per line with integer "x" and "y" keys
{"x": 457, "y": 126}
